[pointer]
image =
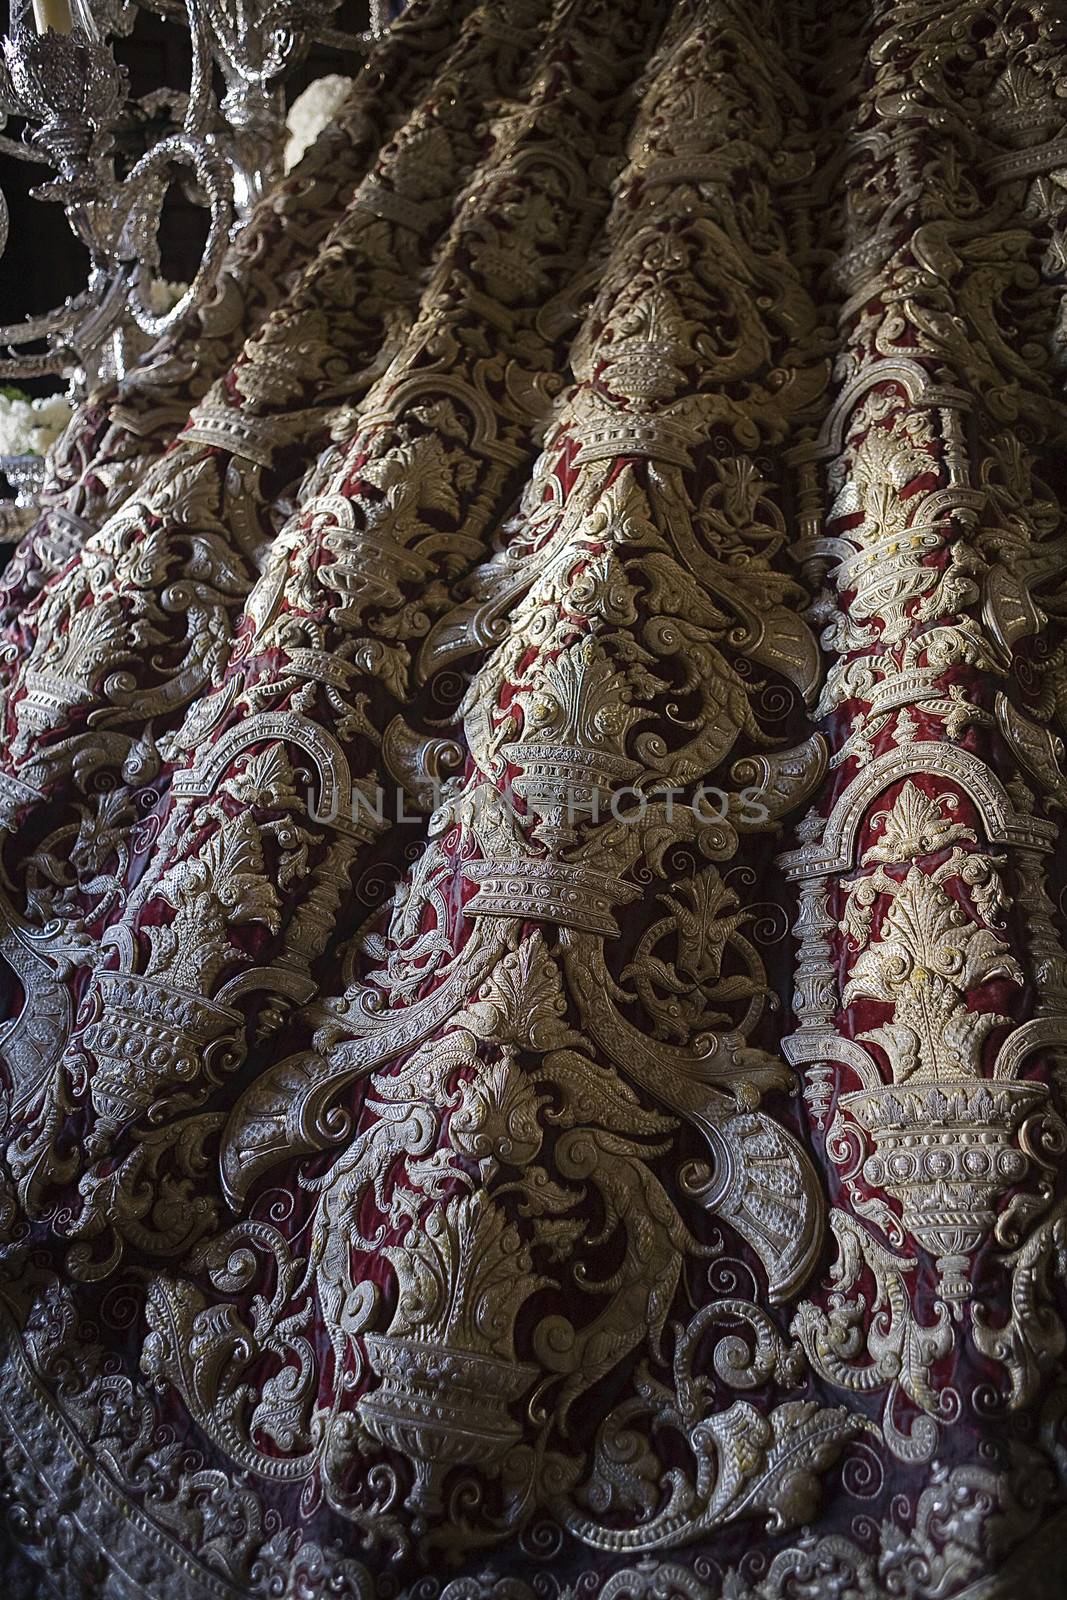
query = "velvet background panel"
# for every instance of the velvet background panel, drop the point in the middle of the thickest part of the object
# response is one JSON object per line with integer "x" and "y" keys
{"x": 530, "y": 874}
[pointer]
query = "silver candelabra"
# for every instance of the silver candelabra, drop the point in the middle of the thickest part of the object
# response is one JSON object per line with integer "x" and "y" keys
{"x": 59, "y": 74}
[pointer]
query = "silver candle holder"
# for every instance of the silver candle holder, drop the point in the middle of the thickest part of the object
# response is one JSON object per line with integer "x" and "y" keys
{"x": 58, "y": 73}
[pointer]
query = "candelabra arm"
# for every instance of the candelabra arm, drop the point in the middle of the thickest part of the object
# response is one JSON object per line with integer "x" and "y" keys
{"x": 63, "y": 80}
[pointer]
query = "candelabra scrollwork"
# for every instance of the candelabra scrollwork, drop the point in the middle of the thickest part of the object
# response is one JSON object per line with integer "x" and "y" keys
{"x": 60, "y": 76}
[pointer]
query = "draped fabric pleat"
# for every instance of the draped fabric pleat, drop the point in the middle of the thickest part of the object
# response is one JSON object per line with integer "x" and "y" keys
{"x": 532, "y": 1014}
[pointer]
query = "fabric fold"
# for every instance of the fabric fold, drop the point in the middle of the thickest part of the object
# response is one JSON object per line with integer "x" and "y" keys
{"x": 531, "y": 887}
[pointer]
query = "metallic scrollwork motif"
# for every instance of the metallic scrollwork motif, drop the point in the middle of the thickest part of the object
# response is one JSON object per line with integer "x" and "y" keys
{"x": 929, "y": 994}
{"x": 61, "y": 77}
{"x": 608, "y": 511}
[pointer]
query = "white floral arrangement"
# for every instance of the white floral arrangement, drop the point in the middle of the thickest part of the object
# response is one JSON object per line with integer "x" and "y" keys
{"x": 28, "y": 427}
{"x": 163, "y": 295}
{"x": 312, "y": 111}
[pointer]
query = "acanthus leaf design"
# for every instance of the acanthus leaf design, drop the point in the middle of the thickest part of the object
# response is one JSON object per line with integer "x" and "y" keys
{"x": 422, "y": 1204}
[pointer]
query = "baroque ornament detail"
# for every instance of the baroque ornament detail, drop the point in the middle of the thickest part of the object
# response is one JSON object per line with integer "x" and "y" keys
{"x": 633, "y": 1166}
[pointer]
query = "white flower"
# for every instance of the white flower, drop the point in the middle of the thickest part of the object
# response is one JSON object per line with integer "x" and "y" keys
{"x": 163, "y": 296}
{"x": 312, "y": 111}
{"x": 28, "y": 427}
